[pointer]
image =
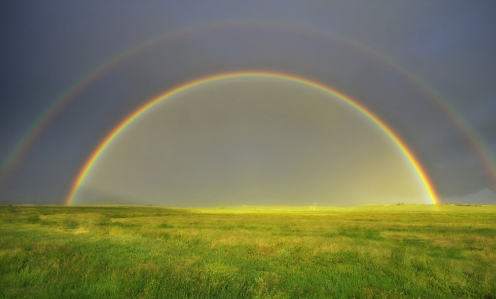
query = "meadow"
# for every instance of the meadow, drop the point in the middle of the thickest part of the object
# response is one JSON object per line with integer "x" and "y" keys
{"x": 379, "y": 251}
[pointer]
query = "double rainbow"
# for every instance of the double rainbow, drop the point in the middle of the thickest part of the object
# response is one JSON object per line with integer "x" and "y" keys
{"x": 35, "y": 130}
{"x": 428, "y": 187}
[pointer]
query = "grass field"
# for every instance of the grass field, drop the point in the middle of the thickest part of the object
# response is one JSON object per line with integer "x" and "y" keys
{"x": 407, "y": 251}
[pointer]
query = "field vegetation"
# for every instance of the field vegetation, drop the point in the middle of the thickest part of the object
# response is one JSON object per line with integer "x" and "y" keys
{"x": 380, "y": 251}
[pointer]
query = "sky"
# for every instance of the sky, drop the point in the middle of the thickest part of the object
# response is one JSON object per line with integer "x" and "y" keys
{"x": 72, "y": 71}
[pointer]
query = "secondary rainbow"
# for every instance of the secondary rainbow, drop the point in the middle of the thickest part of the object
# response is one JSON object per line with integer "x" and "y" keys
{"x": 428, "y": 186}
{"x": 34, "y": 131}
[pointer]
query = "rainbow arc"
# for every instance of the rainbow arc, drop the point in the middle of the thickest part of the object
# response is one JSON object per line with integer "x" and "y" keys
{"x": 415, "y": 164}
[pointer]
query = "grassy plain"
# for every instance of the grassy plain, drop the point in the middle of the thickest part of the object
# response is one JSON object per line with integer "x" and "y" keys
{"x": 409, "y": 251}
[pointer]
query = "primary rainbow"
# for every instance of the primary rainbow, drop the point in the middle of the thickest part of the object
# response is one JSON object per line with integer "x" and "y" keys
{"x": 428, "y": 186}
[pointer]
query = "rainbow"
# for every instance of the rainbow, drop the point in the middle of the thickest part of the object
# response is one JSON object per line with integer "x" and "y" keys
{"x": 428, "y": 186}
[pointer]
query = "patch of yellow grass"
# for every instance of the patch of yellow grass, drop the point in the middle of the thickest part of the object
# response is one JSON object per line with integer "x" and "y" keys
{"x": 444, "y": 243}
{"x": 80, "y": 231}
{"x": 229, "y": 240}
{"x": 7, "y": 252}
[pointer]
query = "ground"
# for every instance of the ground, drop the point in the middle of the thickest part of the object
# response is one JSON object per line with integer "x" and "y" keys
{"x": 379, "y": 251}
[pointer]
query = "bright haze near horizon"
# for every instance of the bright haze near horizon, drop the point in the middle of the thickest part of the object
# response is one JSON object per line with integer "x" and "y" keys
{"x": 72, "y": 71}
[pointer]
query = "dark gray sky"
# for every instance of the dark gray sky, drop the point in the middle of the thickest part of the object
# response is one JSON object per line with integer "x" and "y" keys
{"x": 427, "y": 68}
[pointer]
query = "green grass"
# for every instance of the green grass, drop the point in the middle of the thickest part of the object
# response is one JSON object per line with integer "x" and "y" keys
{"x": 383, "y": 251}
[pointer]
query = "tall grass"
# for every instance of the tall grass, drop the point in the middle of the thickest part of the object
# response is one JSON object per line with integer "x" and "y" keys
{"x": 150, "y": 252}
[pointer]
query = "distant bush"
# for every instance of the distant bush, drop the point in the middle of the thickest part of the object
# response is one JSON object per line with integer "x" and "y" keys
{"x": 400, "y": 204}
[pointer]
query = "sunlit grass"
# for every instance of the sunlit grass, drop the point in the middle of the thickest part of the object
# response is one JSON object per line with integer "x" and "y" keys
{"x": 383, "y": 251}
